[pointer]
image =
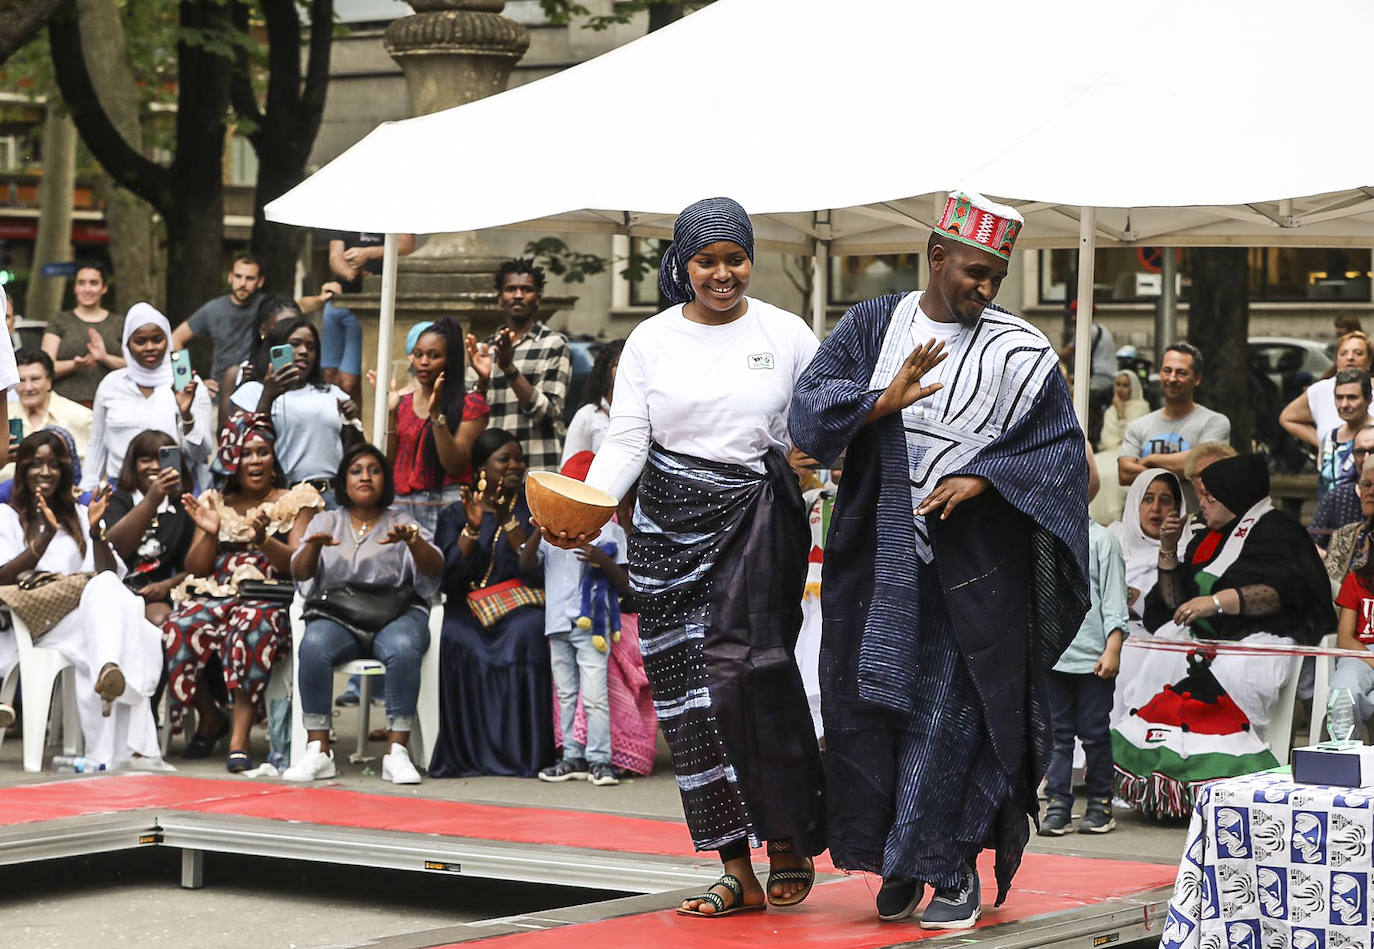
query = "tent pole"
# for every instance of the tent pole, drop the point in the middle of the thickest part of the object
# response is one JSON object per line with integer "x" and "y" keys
{"x": 1166, "y": 318}
{"x": 1083, "y": 330}
{"x": 386, "y": 319}
{"x": 820, "y": 287}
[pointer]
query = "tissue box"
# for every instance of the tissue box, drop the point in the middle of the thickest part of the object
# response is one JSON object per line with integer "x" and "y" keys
{"x": 1347, "y": 768}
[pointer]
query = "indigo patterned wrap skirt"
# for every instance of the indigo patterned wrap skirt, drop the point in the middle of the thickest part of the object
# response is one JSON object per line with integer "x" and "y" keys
{"x": 718, "y": 559}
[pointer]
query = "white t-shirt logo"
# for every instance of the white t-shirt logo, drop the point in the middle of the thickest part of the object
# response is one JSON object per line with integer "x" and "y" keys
{"x": 761, "y": 361}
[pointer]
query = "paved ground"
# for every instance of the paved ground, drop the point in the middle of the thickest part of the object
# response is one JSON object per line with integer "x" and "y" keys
{"x": 133, "y": 899}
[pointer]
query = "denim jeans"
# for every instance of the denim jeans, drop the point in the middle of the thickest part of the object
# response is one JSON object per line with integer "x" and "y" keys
{"x": 577, "y": 665}
{"x": 1080, "y": 706}
{"x": 1357, "y": 676}
{"x": 341, "y": 343}
{"x": 400, "y": 646}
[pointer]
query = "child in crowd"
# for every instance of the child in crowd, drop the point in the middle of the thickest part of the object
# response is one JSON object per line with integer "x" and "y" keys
{"x": 580, "y": 618}
{"x": 1082, "y": 686}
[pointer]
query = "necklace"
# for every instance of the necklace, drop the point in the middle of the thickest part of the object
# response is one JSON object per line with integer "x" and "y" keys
{"x": 360, "y": 532}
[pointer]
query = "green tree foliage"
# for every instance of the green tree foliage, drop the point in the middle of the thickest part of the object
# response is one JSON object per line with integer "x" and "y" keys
{"x": 661, "y": 12}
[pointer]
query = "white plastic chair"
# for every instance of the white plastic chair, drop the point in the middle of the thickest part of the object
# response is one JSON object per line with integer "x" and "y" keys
{"x": 1321, "y": 687}
{"x": 426, "y": 729}
{"x": 40, "y": 668}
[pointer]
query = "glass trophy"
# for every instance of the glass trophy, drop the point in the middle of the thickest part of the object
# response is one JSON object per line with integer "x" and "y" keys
{"x": 1340, "y": 721}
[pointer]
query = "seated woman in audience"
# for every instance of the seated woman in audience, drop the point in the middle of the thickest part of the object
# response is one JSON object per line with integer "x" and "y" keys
{"x": 116, "y": 652}
{"x": 140, "y": 397}
{"x": 248, "y": 533}
{"x": 1349, "y": 549}
{"x": 366, "y": 542}
{"x": 1153, "y": 497}
{"x": 1128, "y": 404}
{"x": 314, "y": 420}
{"x": 147, "y": 525}
{"x": 1336, "y": 462}
{"x": 436, "y": 424}
{"x": 496, "y": 696}
{"x": 587, "y": 429}
{"x": 1355, "y": 629}
{"x": 1250, "y": 575}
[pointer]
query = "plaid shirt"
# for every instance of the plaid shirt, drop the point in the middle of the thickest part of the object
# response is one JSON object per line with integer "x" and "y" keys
{"x": 544, "y": 358}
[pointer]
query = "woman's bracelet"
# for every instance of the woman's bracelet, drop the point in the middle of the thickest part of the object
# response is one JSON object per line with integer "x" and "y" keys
{"x": 511, "y": 525}
{"x": 471, "y": 533}
{"x": 1216, "y": 601}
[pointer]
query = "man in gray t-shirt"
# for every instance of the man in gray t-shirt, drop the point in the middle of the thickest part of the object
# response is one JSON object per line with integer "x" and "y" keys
{"x": 1164, "y": 438}
{"x": 231, "y": 320}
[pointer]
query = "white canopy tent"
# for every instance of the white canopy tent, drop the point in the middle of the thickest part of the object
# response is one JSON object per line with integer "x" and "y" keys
{"x": 840, "y": 127}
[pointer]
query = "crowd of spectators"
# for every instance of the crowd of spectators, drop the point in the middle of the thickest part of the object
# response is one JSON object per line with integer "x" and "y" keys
{"x": 169, "y": 522}
{"x": 189, "y": 512}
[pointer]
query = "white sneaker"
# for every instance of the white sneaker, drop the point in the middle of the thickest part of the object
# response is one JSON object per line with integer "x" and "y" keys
{"x": 398, "y": 768}
{"x": 313, "y": 765}
{"x": 6, "y": 715}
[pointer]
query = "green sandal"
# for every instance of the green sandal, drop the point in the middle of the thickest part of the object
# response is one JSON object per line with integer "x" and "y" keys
{"x": 806, "y": 875}
{"x": 731, "y": 883}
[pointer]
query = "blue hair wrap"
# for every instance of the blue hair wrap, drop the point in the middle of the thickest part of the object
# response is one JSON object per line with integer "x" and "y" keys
{"x": 704, "y": 222}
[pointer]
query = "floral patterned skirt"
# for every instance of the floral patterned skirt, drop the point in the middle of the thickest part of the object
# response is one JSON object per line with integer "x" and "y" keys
{"x": 247, "y": 635}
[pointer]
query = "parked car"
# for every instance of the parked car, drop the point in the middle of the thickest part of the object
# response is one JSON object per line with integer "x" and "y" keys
{"x": 1281, "y": 367}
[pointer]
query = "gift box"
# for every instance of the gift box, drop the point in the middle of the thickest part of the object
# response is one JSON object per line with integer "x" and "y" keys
{"x": 1342, "y": 768}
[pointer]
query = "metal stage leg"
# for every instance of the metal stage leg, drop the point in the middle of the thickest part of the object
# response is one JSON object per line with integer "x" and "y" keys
{"x": 364, "y": 718}
{"x": 192, "y": 869}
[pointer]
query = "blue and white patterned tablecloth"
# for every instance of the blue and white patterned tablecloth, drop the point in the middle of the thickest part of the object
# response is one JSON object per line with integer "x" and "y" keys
{"x": 1271, "y": 864}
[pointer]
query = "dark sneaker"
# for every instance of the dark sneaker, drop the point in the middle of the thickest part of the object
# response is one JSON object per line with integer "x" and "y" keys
{"x": 898, "y": 900}
{"x": 565, "y": 769}
{"x": 602, "y": 775}
{"x": 1056, "y": 822}
{"x": 1098, "y": 819}
{"x": 958, "y": 908}
{"x": 346, "y": 699}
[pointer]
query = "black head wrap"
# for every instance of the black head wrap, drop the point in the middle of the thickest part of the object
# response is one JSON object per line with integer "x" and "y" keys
{"x": 1239, "y": 483}
{"x": 705, "y": 222}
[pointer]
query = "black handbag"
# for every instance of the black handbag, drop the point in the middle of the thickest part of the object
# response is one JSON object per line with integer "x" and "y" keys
{"x": 363, "y": 608}
{"x": 270, "y": 591}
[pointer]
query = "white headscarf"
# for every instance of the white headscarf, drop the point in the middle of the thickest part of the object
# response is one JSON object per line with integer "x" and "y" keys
{"x": 1140, "y": 550}
{"x": 145, "y": 314}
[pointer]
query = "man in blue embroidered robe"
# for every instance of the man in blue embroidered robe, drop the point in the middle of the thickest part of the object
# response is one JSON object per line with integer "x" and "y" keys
{"x": 955, "y": 574}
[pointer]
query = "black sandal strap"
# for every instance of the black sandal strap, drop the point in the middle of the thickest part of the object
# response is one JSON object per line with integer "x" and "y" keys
{"x": 780, "y": 846}
{"x": 731, "y": 883}
{"x": 791, "y": 876}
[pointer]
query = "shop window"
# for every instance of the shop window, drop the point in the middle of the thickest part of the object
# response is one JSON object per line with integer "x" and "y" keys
{"x": 859, "y": 277}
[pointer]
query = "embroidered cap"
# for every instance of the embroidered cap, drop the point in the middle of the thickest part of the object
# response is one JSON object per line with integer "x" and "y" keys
{"x": 972, "y": 219}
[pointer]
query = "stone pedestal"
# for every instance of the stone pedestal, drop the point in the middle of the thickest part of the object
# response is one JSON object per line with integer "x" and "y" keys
{"x": 452, "y": 52}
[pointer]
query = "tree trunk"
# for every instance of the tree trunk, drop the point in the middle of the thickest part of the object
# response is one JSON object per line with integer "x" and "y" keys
{"x": 195, "y": 251}
{"x": 663, "y": 13}
{"x": 130, "y": 220}
{"x": 54, "y": 241}
{"x": 1219, "y": 325}
{"x": 277, "y": 245}
{"x": 20, "y": 21}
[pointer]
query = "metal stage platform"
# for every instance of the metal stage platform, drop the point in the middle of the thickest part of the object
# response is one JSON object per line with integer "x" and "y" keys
{"x": 1058, "y": 901}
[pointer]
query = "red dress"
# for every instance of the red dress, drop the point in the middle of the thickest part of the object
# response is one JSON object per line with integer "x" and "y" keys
{"x": 410, "y": 474}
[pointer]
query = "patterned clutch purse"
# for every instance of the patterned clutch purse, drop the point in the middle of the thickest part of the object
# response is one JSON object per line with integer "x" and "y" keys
{"x": 491, "y": 603}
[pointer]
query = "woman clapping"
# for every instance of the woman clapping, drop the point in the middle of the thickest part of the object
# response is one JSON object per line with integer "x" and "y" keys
{"x": 116, "y": 652}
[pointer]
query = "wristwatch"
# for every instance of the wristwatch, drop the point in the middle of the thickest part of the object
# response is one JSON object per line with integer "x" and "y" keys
{"x": 440, "y": 419}
{"x": 512, "y": 371}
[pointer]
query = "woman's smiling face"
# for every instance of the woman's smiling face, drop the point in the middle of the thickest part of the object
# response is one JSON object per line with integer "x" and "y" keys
{"x": 148, "y": 345}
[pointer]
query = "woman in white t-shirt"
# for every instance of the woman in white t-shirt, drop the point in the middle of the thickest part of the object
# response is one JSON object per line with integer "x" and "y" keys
{"x": 588, "y": 427}
{"x": 1313, "y": 414}
{"x": 718, "y": 559}
{"x": 314, "y": 420}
